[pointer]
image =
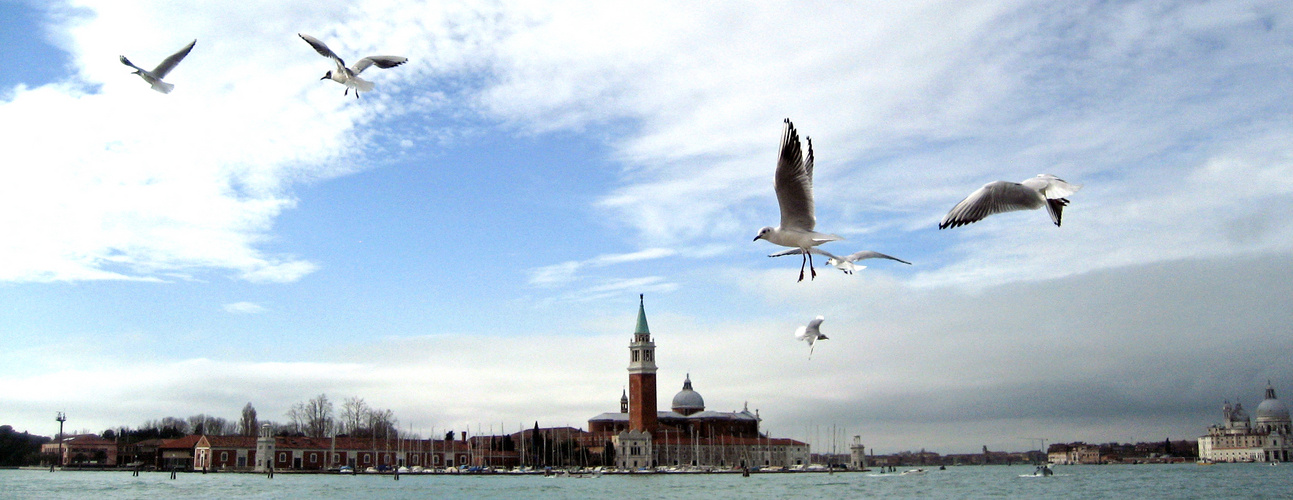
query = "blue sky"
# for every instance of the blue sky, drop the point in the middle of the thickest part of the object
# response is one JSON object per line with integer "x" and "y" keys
{"x": 466, "y": 244}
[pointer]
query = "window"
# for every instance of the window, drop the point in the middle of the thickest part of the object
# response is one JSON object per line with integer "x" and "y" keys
{"x": 224, "y": 456}
{"x": 314, "y": 458}
{"x": 647, "y": 355}
{"x": 282, "y": 457}
{"x": 336, "y": 457}
{"x": 368, "y": 458}
{"x": 635, "y": 355}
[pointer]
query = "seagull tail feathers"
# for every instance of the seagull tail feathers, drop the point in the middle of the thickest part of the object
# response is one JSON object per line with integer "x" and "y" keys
{"x": 163, "y": 87}
{"x": 362, "y": 85}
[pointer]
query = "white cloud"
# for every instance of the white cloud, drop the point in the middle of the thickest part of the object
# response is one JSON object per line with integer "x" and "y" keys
{"x": 244, "y": 308}
{"x": 1005, "y": 361}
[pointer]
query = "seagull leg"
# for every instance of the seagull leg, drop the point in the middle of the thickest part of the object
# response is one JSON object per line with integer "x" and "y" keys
{"x": 810, "y": 265}
{"x": 801, "y": 267}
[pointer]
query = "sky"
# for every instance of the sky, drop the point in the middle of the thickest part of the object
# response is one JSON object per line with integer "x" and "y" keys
{"x": 466, "y": 244}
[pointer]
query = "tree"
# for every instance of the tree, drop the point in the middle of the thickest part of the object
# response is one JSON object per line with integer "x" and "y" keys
{"x": 19, "y": 449}
{"x": 313, "y": 417}
{"x": 354, "y": 415}
{"x": 248, "y": 422}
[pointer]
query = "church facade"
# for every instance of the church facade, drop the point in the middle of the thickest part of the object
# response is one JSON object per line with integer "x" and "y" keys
{"x": 687, "y": 435}
{"x": 1239, "y": 439}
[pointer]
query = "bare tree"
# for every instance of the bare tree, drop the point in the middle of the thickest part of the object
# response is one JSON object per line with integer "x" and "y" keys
{"x": 248, "y": 423}
{"x": 313, "y": 417}
{"x": 354, "y": 415}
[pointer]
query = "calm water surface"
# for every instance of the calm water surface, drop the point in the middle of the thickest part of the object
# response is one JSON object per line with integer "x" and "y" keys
{"x": 1084, "y": 482}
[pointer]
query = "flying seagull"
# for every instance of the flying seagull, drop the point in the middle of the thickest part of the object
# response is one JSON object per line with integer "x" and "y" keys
{"x": 350, "y": 76}
{"x": 155, "y": 76}
{"x": 842, "y": 263}
{"x": 1001, "y": 196}
{"x": 794, "y": 185}
{"x": 811, "y": 334}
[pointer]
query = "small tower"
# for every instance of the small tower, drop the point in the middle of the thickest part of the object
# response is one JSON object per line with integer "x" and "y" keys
{"x": 642, "y": 404}
{"x": 624, "y": 402}
{"x": 265, "y": 449}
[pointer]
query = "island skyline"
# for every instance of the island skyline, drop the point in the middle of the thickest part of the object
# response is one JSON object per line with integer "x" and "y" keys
{"x": 466, "y": 243}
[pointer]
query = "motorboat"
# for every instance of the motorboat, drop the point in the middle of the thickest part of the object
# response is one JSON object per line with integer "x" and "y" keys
{"x": 913, "y": 472}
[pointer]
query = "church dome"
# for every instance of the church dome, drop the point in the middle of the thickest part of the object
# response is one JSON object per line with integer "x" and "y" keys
{"x": 1272, "y": 409}
{"x": 688, "y": 401}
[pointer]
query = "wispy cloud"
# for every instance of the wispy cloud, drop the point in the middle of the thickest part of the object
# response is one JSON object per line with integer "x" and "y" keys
{"x": 244, "y": 308}
{"x": 567, "y": 272}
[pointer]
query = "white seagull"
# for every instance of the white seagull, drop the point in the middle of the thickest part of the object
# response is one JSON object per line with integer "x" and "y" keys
{"x": 1001, "y": 196}
{"x": 155, "y": 76}
{"x": 811, "y": 333}
{"x": 350, "y": 76}
{"x": 845, "y": 263}
{"x": 794, "y": 185}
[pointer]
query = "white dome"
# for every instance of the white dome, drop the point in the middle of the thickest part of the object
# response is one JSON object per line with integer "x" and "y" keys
{"x": 1272, "y": 409}
{"x": 687, "y": 399}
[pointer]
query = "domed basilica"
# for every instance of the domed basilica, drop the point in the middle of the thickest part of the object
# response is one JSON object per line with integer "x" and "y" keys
{"x": 1239, "y": 439}
{"x": 687, "y": 434}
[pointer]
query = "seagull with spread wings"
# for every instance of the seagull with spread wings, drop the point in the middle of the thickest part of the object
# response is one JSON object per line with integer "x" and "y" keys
{"x": 350, "y": 76}
{"x": 155, "y": 76}
{"x": 1002, "y": 196}
{"x": 811, "y": 333}
{"x": 845, "y": 263}
{"x": 794, "y": 186}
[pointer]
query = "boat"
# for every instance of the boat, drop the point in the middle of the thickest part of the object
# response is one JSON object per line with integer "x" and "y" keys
{"x": 1205, "y": 461}
{"x": 913, "y": 472}
{"x": 1041, "y": 471}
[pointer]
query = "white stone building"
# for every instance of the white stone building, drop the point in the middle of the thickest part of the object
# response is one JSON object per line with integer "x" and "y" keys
{"x": 1238, "y": 439}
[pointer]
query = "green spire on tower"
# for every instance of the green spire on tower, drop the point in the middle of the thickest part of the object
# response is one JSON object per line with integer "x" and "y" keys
{"x": 642, "y": 323}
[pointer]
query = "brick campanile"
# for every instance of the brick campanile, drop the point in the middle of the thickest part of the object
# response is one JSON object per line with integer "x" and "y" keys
{"x": 642, "y": 409}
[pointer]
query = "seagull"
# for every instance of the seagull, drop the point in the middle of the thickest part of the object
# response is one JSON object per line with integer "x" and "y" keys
{"x": 1001, "y": 196}
{"x": 842, "y": 263}
{"x": 350, "y": 76}
{"x": 794, "y": 185}
{"x": 811, "y": 334}
{"x": 155, "y": 76}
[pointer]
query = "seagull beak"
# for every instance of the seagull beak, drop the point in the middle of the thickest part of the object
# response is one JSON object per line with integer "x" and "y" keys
{"x": 756, "y": 238}
{"x": 325, "y": 77}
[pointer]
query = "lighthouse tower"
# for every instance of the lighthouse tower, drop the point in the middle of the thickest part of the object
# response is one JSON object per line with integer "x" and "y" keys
{"x": 642, "y": 409}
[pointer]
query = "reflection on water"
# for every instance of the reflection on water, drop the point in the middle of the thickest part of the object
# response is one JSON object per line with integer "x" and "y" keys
{"x": 1098, "y": 481}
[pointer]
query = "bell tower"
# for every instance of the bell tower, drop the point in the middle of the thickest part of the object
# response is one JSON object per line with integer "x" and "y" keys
{"x": 642, "y": 404}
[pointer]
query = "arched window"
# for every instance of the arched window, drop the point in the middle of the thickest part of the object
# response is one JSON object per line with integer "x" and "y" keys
{"x": 224, "y": 456}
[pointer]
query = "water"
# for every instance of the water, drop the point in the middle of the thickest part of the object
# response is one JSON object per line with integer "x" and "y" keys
{"x": 1084, "y": 482}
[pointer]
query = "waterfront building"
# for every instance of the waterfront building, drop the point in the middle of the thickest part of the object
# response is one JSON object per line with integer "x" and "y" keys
{"x": 83, "y": 449}
{"x": 1237, "y": 439}
{"x": 641, "y": 436}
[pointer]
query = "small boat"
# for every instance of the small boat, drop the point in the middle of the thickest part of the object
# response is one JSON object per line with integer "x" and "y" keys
{"x": 1205, "y": 461}
{"x": 912, "y": 472}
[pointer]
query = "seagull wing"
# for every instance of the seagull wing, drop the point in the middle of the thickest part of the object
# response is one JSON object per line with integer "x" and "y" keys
{"x": 992, "y": 198}
{"x": 867, "y": 254}
{"x": 783, "y": 253}
{"x": 169, "y": 63}
{"x": 381, "y": 62}
{"x": 323, "y": 50}
{"x": 794, "y": 182}
{"x": 128, "y": 63}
